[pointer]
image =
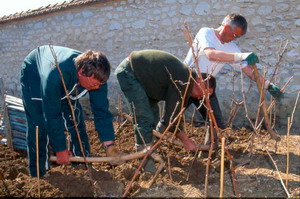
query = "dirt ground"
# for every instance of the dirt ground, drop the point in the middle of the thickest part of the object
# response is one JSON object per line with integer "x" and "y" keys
{"x": 256, "y": 175}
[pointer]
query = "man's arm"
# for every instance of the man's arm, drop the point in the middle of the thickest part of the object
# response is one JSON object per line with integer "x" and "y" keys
{"x": 273, "y": 90}
{"x": 222, "y": 56}
{"x": 248, "y": 70}
{"x": 218, "y": 55}
{"x": 102, "y": 116}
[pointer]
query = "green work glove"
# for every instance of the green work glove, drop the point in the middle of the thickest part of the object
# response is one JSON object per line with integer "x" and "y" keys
{"x": 250, "y": 58}
{"x": 275, "y": 92}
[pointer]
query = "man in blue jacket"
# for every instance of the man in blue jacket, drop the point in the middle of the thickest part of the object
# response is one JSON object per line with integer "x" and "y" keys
{"x": 46, "y": 105}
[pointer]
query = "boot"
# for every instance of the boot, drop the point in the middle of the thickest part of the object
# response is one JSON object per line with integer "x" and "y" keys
{"x": 149, "y": 164}
{"x": 160, "y": 127}
{"x": 113, "y": 151}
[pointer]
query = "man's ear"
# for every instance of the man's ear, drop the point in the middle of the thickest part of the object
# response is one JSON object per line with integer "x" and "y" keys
{"x": 227, "y": 27}
{"x": 79, "y": 71}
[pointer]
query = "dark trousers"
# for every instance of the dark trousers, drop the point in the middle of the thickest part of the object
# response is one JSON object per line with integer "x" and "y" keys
{"x": 215, "y": 107}
{"x": 34, "y": 117}
{"x": 143, "y": 109}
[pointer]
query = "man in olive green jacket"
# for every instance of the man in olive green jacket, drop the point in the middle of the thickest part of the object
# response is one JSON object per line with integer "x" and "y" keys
{"x": 149, "y": 76}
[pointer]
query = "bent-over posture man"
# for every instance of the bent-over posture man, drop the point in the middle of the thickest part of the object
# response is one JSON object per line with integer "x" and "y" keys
{"x": 215, "y": 48}
{"x": 46, "y": 105}
{"x": 149, "y": 76}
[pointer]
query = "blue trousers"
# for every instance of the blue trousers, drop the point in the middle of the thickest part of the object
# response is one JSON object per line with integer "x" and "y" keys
{"x": 35, "y": 117}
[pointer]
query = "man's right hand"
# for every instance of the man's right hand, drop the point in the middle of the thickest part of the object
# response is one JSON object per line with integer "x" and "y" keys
{"x": 63, "y": 157}
{"x": 188, "y": 143}
{"x": 251, "y": 58}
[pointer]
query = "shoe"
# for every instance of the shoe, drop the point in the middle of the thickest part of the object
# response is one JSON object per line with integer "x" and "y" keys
{"x": 160, "y": 127}
{"x": 113, "y": 151}
{"x": 149, "y": 164}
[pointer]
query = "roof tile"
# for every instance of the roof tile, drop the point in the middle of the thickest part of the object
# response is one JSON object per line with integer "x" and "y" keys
{"x": 45, "y": 9}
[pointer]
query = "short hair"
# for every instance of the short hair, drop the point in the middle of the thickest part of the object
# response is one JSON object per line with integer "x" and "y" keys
{"x": 236, "y": 20}
{"x": 93, "y": 63}
{"x": 210, "y": 82}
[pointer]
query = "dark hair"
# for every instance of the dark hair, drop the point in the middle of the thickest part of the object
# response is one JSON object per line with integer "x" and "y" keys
{"x": 94, "y": 63}
{"x": 236, "y": 20}
{"x": 210, "y": 82}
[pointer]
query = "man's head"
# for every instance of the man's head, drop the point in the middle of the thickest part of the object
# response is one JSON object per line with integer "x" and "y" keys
{"x": 93, "y": 69}
{"x": 198, "y": 89}
{"x": 233, "y": 27}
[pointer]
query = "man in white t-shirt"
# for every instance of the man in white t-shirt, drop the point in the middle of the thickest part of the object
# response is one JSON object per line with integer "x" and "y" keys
{"x": 215, "y": 48}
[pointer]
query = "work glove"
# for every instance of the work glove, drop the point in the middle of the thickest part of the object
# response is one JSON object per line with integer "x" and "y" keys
{"x": 275, "y": 92}
{"x": 251, "y": 58}
{"x": 63, "y": 157}
{"x": 113, "y": 151}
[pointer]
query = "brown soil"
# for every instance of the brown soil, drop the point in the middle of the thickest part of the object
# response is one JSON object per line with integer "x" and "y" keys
{"x": 256, "y": 175}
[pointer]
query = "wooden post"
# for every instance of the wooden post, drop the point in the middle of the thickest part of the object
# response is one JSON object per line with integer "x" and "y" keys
{"x": 9, "y": 135}
{"x": 37, "y": 158}
{"x": 264, "y": 105}
{"x": 222, "y": 168}
{"x": 287, "y": 152}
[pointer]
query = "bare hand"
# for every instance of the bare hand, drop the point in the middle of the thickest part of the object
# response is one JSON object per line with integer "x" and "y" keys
{"x": 63, "y": 157}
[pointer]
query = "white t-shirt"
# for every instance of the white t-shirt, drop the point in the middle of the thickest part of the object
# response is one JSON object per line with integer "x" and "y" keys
{"x": 206, "y": 38}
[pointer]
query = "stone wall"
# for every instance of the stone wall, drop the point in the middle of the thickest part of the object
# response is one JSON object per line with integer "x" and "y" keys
{"x": 117, "y": 27}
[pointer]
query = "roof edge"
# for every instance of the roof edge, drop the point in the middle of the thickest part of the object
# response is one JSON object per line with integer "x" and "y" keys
{"x": 45, "y": 10}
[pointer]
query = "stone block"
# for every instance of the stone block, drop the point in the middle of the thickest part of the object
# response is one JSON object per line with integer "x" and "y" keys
{"x": 282, "y": 7}
{"x": 170, "y": 1}
{"x": 247, "y": 12}
{"x": 139, "y": 24}
{"x": 166, "y": 22}
{"x": 114, "y": 25}
{"x": 297, "y": 22}
{"x": 87, "y": 14}
{"x": 186, "y": 10}
{"x": 202, "y": 8}
{"x": 172, "y": 14}
{"x": 120, "y": 9}
{"x": 38, "y": 25}
{"x": 77, "y": 22}
{"x": 256, "y": 20}
{"x": 235, "y": 9}
{"x": 265, "y": 10}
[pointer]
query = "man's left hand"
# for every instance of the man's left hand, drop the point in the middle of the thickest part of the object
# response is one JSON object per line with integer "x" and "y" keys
{"x": 275, "y": 92}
